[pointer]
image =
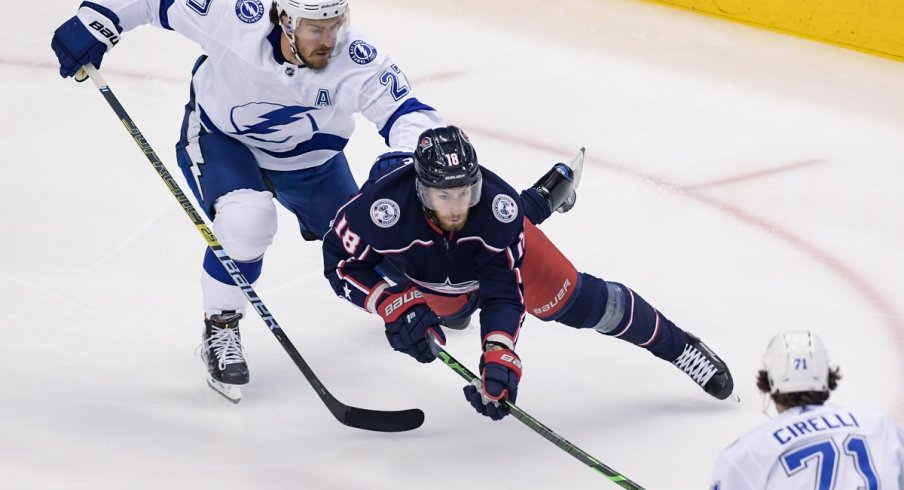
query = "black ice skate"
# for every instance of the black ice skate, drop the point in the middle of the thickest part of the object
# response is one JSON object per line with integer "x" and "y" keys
{"x": 221, "y": 350}
{"x": 559, "y": 185}
{"x": 706, "y": 369}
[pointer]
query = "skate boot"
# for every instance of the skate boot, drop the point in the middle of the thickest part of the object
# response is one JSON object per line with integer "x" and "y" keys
{"x": 221, "y": 350}
{"x": 704, "y": 367}
{"x": 559, "y": 185}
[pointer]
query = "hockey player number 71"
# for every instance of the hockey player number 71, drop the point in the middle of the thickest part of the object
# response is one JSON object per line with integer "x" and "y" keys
{"x": 825, "y": 455}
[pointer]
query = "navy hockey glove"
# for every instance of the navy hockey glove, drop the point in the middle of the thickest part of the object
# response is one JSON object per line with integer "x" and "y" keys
{"x": 500, "y": 371}
{"x": 408, "y": 319}
{"x": 388, "y": 161}
{"x": 84, "y": 39}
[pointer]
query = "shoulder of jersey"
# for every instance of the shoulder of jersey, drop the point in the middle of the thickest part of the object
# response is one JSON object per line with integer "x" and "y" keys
{"x": 390, "y": 205}
{"x": 361, "y": 52}
{"x": 243, "y": 13}
{"x": 500, "y": 212}
{"x": 236, "y": 21}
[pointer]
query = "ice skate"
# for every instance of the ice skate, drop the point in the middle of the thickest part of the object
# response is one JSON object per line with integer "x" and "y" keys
{"x": 559, "y": 185}
{"x": 706, "y": 369}
{"x": 221, "y": 350}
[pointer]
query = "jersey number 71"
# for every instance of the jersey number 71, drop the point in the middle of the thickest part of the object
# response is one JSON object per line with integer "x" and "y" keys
{"x": 824, "y": 455}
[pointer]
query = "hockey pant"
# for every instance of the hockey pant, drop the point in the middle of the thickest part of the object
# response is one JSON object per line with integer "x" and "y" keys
{"x": 237, "y": 195}
{"x": 555, "y": 291}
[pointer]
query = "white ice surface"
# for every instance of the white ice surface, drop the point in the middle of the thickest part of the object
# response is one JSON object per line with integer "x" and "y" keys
{"x": 743, "y": 181}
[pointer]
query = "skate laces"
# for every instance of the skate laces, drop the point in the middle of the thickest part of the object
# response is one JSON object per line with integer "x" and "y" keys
{"x": 696, "y": 364}
{"x": 226, "y": 345}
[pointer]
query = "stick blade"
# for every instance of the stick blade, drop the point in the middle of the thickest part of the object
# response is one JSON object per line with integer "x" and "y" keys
{"x": 383, "y": 421}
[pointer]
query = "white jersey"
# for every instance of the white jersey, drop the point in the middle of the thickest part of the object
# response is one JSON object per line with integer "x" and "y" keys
{"x": 290, "y": 117}
{"x": 817, "y": 447}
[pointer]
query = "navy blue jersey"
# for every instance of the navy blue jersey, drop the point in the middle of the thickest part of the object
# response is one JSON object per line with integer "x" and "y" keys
{"x": 385, "y": 222}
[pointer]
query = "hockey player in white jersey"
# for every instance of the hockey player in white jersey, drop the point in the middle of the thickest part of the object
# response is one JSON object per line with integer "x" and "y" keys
{"x": 270, "y": 111}
{"x": 811, "y": 444}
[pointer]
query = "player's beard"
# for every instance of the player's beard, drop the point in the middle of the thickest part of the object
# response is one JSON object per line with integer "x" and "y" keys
{"x": 318, "y": 58}
{"x": 451, "y": 222}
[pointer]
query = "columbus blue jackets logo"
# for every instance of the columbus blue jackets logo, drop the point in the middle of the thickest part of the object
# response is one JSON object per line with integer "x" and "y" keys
{"x": 249, "y": 11}
{"x": 361, "y": 52}
{"x": 504, "y": 208}
{"x": 384, "y": 213}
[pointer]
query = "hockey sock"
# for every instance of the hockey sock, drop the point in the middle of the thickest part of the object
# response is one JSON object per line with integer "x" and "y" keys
{"x": 615, "y": 310}
{"x": 251, "y": 270}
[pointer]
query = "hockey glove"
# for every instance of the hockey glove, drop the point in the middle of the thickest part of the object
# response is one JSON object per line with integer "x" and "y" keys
{"x": 388, "y": 161}
{"x": 408, "y": 319}
{"x": 84, "y": 39}
{"x": 500, "y": 371}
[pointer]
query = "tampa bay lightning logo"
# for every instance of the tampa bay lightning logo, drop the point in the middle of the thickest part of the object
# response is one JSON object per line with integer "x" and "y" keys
{"x": 504, "y": 208}
{"x": 384, "y": 213}
{"x": 361, "y": 52}
{"x": 249, "y": 11}
{"x": 264, "y": 121}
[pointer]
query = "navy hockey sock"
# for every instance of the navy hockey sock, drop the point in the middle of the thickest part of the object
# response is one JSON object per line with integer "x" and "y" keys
{"x": 615, "y": 310}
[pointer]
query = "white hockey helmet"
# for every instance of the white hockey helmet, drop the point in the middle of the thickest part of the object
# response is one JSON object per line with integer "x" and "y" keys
{"x": 796, "y": 362}
{"x": 311, "y": 9}
{"x": 296, "y": 10}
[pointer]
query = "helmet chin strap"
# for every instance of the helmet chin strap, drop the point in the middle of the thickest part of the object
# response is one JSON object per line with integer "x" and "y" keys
{"x": 431, "y": 216}
{"x": 290, "y": 36}
{"x": 767, "y": 404}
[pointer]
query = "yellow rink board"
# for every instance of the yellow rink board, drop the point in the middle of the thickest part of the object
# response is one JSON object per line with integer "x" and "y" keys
{"x": 872, "y": 26}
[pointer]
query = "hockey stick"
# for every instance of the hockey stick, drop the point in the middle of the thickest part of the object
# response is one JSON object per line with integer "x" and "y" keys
{"x": 361, "y": 418}
{"x": 535, "y": 424}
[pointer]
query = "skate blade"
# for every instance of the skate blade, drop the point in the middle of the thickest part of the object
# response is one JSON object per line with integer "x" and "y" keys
{"x": 232, "y": 393}
{"x": 733, "y": 398}
{"x": 577, "y": 167}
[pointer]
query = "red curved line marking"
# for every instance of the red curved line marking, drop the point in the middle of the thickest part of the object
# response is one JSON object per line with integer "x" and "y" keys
{"x": 755, "y": 175}
{"x": 893, "y": 322}
{"x": 136, "y": 75}
{"x": 437, "y": 77}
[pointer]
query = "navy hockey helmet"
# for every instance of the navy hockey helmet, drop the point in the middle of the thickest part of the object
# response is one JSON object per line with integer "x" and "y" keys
{"x": 445, "y": 159}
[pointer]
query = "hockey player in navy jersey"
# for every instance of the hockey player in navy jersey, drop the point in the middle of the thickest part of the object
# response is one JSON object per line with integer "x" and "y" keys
{"x": 459, "y": 235}
{"x": 811, "y": 444}
{"x": 270, "y": 111}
